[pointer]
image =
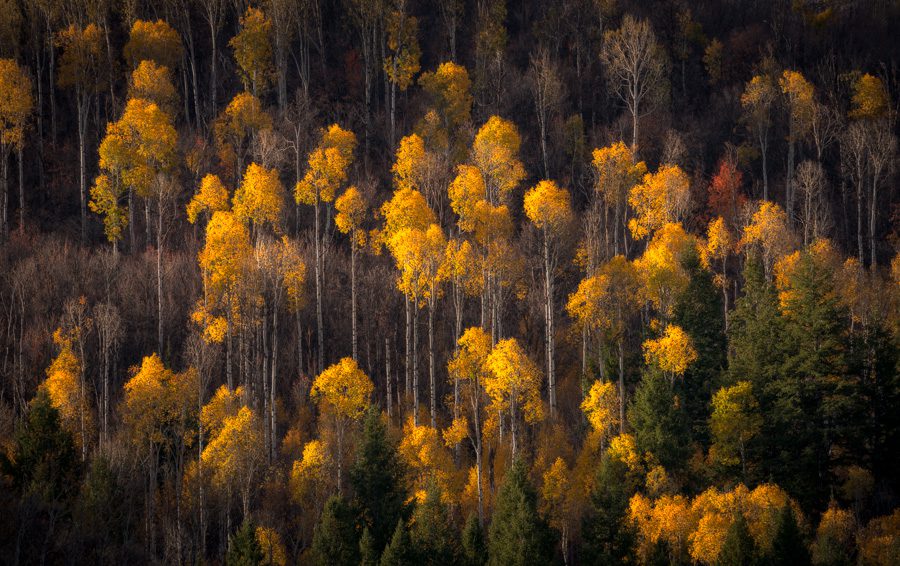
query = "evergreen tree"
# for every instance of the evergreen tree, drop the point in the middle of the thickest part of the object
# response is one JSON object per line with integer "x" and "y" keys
{"x": 658, "y": 418}
{"x": 518, "y": 535}
{"x": 400, "y": 551}
{"x": 788, "y": 547}
{"x": 738, "y": 548}
{"x": 44, "y": 461}
{"x": 607, "y": 536}
{"x": 243, "y": 547}
{"x": 334, "y": 540}
{"x": 431, "y": 533}
{"x": 368, "y": 556}
{"x": 377, "y": 480}
{"x": 698, "y": 312}
{"x": 473, "y": 546}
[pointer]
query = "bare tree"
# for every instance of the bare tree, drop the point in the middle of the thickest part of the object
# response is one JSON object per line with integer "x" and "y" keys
{"x": 882, "y": 151}
{"x": 636, "y": 65}
{"x": 810, "y": 182}
{"x": 547, "y": 90}
{"x": 853, "y": 165}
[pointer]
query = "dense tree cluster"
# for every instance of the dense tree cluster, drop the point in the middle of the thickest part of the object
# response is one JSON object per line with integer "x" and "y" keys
{"x": 453, "y": 282}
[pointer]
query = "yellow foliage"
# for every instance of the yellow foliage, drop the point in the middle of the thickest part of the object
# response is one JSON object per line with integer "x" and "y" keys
{"x": 273, "y": 551}
{"x": 66, "y": 389}
{"x": 673, "y": 352}
{"x": 770, "y": 231}
{"x": 450, "y": 91}
{"x": 159, "y": 402}
{"x": 328, "y": 166}
{"x": 669, "y": 518}
{"x": 408, "y": 167}
{"x": 153, "y": 83}
{"x": 235, "y": 126}
{"x": 661, "y": 267}
{"x": 79, "y": 62}
{"x": 764, "y": 504}
{"x": 403, "y": 63}
{"x": 801, "y": 103}
{"x": 870, "y": 98}
{"x": 260, "y": 197}
{"x": 758, "y": 97}
{"x": 496, "y": 154}
{"x": 351, "y": 210}
{"x": 616, "y": 172}
{"x": 105, "y": 199}
{"x": 420, "y": 258}
{"x": 426, "y": 457}
{"x": 820, "y": 253}
{"x": 253, "y": 50}
{"x": 719, "y": 242}
{"x": 601, "y": 406}
{"x": 463, "y": 266}
{"x": 154, "y": 41}
{"x": 714, "y": 511}
{"x": 557, "y": 496}
{"x": 734, "y": 421}
{"x": 224, "y": 263}
{"x": 836, "y": 528}
{"x": 310, "y": 471}
{"x": 456, "y": 432}
{"x": 212, "y": 196}
{"x": 16, "y": 105}
{"x": 514, "y": 381}
{"x": 624, "y": 449}
{"x": 548, "y": 206}
{"x": 661, "y": 198}
{"x": 879, "y": 541}
{"x": 224, "y": 403}
{"x": 236, "y": 452}
{"x": 343, "y": 389}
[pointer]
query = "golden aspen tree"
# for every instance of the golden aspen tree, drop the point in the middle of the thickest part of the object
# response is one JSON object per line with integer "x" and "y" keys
{"x": 402, "y": 62}
{"x": 714, "y": 512}
{"x": 601, "y": 406}
{"x": 450, "y": 92}
{"x": 672, "y": 353}
{"x": 768, "y": 232}
{"x": 559, "y": 502}
{"x": 419, "y": 169}
{"x": 757, "y": 101}
{"x": 870, "y": 99}
{"x": 259, "y": 199}
{"x": 16, "y": 104}
{"x": 211, "y": 197}
{"x": 153, "y": 41}
{"x": 605, "y": 301}
{"x": 463, "y": 270}
{"x": 615, "y": 173}
{"x": 79, "y": 66}
{"x": 310, "y": 475}
{"x": 514, "y": 386}
{"x": 469, "y": 370}
{"x": 879, "y": 540}
{"x": 328, "y": 169}
{"x": 342, "y": 392}
{"x": 661, "y": 267}
{"x": 661, "y": 198}
{"x": 834, "y": 536}
{"x": 668, "y": 519}
{"x": 235, "y": 454}
{"x": 273, "y": 549}
{"x": 495, "y": 152}
{"x": 67, "y": 389}
{"x": 718, "y": 246}
{"x": 549, "y": 208}
{"x": 153, "y": 83}
{"x": 636, "y": 64}
{"x": 735, "y": 420}
{"x": 223, "y": 264}
{"x": 236, "y": 128}
{"x": 800, "y": 103}
{"x": 426, "y": 459}
{"x": 352, "y": 210}
{"x": 253, "y": 50}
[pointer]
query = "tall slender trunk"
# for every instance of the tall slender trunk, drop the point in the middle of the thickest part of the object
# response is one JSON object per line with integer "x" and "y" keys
{"x": 408, "y": 366}
{"x": 82, "y": 102}
{"x": 763, "y": 148}
{"x": 4, "y": 193}
{"x": 387, "y": 374}
{"x": 22, "y": 191}
{"x": 859, "y": 218}
{"x": 548, "y": 314}
{"x": 353, "y": 295}
{"x": 415, "y": 360}
{"x": 274, "y": 383}
{"x": 431, "y": 378}
{"x": 320, "y": 337}
{"x": 621, "y": 385}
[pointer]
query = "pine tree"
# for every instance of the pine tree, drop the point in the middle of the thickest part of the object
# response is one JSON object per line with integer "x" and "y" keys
{"x": 431, "y": 534}
{"x": 658, "y": 419}
{"x": 473, "y": 547}
{"x": 518, "y": 535}
{"x": 738, "y": 548}
{"x": 607, "y": 536}
{"x": 243, "y": 548}
{"x": 788, "y": 547}
{"x": 377, "y": 480}
{"x": 400, "y": 551}
{"x": 334, "y": 540}
{"x": 368, "y": 556}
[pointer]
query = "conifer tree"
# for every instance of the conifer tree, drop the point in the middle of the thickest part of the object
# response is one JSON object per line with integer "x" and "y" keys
{"x": 474, "y": 550}
{"x": 243, "y": 548}
{"x": 788, "y": 547}
{"x": 400, "y": 551}
{"x": 432, "y": 534}
{"x": 335, "y": 541}
{"x": 518, "y": 535}
{"x": 738, "y": 549}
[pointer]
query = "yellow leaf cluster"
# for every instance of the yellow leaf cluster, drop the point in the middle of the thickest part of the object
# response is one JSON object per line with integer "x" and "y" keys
{"x": 253, "y": 49}
{"x": 836, "y": 527}
{"x": 870, "y": 98}
{"x": 770, "y": 231}
{"x": 661, "y": 198}
{"x": 451, "y": 93}
{"x": 601, "y": 406}
{"x": 158, "y": 401}
{"x": 477, "y": 216}
{"x": 495, "y": 153}
{"x": 153, "y": 83}
{"x": 236, "y": 451}
{"x": 79, "y": 61}
{"x": 426, "y": 457}
{"x": 65, "y": 388}
{"x": 328, "y": 167}
{"x": 548, "y": 206}
{"x": 259, "y": 198}
{"x": 616, "y": 172}
{"x": 820, "y": 254}
{"x": 879, "y": 541}
{"x": 153, "y": 41}
{"x": 734, "y": 421}
{"x": 661, "y": 267}
{"x": 233, "y": 128}
{"x": 456, "y": 432}
{"x": 624, "y": 449}
{"x": 801, "y": 102}
{"x": 310, "y": 470}
{"x": 514, "y": 381}
{"x": 16, "y": 104}
{"x": 407, "y": 168}
{"x": 224, "y": 403}
{"x": 212, "y": 196}
{"x": 719, "y": 242}
{"x": 463, "y": 266}
{"x": 403, "y": 62}
{"x": 758, "y": 97}
{"x": 273, "y": 550}
{"x": 351, "y": 210}
{"x": 673, "y": 352}
{"x": 343, "y": 389}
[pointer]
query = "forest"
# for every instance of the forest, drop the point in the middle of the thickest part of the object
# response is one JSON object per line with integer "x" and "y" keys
{"x": 449, "y": 282}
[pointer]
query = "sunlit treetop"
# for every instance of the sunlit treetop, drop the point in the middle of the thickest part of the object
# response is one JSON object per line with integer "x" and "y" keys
{"x": 616, "y": 172}
{"x": 403, "y": 64}
{"x": 211, "y": 196}
{"x": 496, "y": 153}
{"x": 260, "y": 197}
{"x": 328, "y": 166}
{"x": 154, "y": 41}
{"x": 514, "y": 379}
{"x": 450, "y": 89}
{"x": 253, "y": 50}
{"x": 79, "y": 62}
{"x": 801, "y": 101}
{"x": 549, "y": 206}
{"x": 352, "y": 210}
{"x": 661, "y": 198}
{"x": 407, "y": 168}
{"x": 601, "y": 406}
{"x": 661, "y": 267}
{"x": 224, "y": 403}
{"x": 769, "y": 232}
{"x": 673, "y": 352}
{"x": 16, "y": 103}
{"x": 758, "y": 96}
{"x": 719, "y": 242}
{"x": 153, "y": 83}
{"x": 820, "y": 255}
{"x": 343, "y": 388}
{"x": 156, "y": 398}
{"x": 226, "y": 251}
{"x": 406, "y": 210}
{"x": 870, "y": 98}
